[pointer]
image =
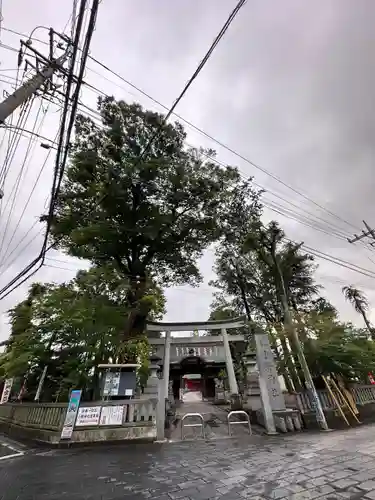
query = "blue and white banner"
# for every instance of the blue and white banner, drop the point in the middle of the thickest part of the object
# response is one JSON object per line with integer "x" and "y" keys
{"x": 71, "y": 414}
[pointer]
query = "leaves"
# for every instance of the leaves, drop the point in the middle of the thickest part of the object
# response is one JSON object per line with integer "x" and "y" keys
{"x": 153, "y": 216}
{"x": 72, "y": 328}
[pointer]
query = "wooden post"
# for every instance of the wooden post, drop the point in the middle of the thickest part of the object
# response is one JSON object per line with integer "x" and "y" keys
{"x": 335, "y": 400}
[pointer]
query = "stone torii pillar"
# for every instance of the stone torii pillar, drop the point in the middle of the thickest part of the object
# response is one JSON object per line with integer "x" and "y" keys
{"x": 233, "y": 386}
{"x": 166, "y": 362}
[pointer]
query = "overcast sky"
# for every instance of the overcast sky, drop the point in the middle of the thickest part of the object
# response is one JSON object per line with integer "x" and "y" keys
{"x": 290, "y": 88}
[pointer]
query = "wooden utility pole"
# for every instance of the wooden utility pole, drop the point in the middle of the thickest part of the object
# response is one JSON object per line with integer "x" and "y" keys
{"x": 369, "y": 233}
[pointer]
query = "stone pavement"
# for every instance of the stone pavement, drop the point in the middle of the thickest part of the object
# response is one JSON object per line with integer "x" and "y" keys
{"x": 336, "y": 465}
{"x": 215, "y": 422}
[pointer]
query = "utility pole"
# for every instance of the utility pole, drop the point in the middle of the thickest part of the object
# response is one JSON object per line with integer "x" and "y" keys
{"x": 365, "y": 234}
{"x": 29, "y": 88}
{"x": 43, "y": 76}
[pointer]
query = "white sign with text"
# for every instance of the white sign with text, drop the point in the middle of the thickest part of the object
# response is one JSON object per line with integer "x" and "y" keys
{"x": 88, "y": 415}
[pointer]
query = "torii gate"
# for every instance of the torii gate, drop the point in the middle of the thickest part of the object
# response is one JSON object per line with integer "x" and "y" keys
{"x": 266, "y": 364}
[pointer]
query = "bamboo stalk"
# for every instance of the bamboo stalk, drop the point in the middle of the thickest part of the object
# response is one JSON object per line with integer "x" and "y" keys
{"x": 335, "y": 400}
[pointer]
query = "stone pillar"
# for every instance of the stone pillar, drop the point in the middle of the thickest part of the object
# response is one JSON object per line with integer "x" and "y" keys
{"x": 233, "y": 387}
{"x": 166, "y": 363}
{"x": 155, "y": 390}
{"x": 269, "y": 421}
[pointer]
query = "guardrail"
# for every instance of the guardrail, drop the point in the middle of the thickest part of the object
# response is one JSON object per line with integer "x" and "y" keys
{"x": 243, "y": 422}
{"x": 188, "y": 415}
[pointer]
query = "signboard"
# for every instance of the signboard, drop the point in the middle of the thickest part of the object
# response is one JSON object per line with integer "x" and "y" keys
{"x": 71, "y": 414}
{"x": 111, "y": 384}
{"x": 210, "y": 351}
{"x": 88, "y": 415}
{"x": 111, "y": 415}
{"x": 267, "y": 369}
{"x": 6, "y": 390}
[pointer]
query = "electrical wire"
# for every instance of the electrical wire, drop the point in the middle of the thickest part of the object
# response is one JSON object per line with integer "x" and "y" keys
{"x": 22, "y": 172}
{"x": 331, "y": 229}
{"x": 196, "y": 128}
{"x": 337, "y": 230}
{"x": 62, "y": 152}
{"x": 23, "y": 248}
{"x": 340, "y": 262}
{"x": 222, "y": 144}
{"x": 58, "y": 175}
{"x": 43, "y": 166}
{"x": 323, "y": 208}
{"x": 201, "y": 65}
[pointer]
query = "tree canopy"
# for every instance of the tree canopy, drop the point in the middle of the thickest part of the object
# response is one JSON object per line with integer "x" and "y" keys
{"x": 149, "y": 215}
{"x": 71, "y": 328}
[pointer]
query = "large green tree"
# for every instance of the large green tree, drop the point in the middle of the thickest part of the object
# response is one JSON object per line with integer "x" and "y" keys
{"x": 151, "y": 215}
{"x": 72, "y": 328}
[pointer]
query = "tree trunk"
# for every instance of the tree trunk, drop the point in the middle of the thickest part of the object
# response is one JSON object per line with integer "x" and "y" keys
{"x": 295, "y": 348}
{"x": 291, "y": 379}
{"x": 139, "y": 310}
{"x": 369, "y": 327}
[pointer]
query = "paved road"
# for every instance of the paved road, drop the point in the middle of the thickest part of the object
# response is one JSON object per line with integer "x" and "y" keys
{"x": 330, "y": 466}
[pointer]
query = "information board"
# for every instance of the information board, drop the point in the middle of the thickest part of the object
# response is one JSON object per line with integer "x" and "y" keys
{"x": 111, "y": 384}
{"x": 88, "y": 415}
{"x": 111, "y": 415}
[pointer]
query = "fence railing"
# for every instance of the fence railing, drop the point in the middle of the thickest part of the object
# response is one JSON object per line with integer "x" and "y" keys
{"x": 51, "y": 416}
{"x": 362, "y": 395}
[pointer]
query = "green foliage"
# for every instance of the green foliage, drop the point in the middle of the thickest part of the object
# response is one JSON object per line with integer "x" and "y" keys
{"x": 334, "y": 347}
{"x": 260, "y": 269}
{"x": 151, "y": 218}
{"x": 360, "y": 303}
{"x": 72, "y": 328}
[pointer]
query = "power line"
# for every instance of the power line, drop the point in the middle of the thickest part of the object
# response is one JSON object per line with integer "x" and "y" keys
{"x": 339, "y": 262}
{"x": 23, "y": 170}
{"x": 64, "y": 140}
{"x": 332, "y": 230}
{"x": 41, "y": 170}
{"x": 221, "y": 144}
{"x": 198, "y": 129}
{"x": 216, "y": 41}
{"x": 23, "y": 248}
